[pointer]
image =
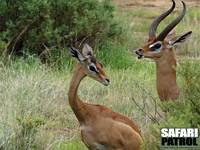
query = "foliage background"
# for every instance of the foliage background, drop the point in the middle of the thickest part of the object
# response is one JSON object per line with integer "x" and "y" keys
{"x": 44, "y": 28}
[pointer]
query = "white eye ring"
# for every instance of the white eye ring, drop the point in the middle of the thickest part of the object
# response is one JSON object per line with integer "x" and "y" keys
{"x": 92, "y": 67}
{"x": 156, "y": 50}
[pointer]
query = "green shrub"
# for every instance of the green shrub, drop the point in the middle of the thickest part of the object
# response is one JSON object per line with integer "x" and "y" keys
{"x": 46, "y": 27}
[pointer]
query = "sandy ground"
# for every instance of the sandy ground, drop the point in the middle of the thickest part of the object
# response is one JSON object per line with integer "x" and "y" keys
{"x": 131, "y": 4}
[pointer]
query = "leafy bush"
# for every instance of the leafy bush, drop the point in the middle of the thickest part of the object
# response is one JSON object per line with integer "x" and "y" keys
{"x": 45, "y": 27}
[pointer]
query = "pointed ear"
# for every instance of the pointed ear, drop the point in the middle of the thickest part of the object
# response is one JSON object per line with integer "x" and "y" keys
{"x": 181, "y": 39}
{"x": 87, "y": 51}
{"x": 76, "y": 54}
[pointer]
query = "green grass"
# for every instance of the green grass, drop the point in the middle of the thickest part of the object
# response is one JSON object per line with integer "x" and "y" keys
{"x": 34, "y": 99}
{"x": 34, "y": 102}
{"x": 73, "y": 145}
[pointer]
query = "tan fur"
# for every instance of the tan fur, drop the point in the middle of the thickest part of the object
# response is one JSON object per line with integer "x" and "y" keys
{"x": 167, "y": 87}
{"x": 101, "y": 127}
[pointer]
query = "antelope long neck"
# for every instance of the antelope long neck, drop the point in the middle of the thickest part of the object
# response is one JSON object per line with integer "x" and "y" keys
{"x": 78, "y": 107}
{"x": 167, "y": 87}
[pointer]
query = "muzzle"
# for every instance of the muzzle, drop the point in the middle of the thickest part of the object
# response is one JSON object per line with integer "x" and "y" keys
{"x": 139, "y": 53}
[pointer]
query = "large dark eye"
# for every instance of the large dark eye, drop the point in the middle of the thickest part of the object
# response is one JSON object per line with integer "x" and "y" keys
{"x": 155, "y": 47}
{"x": 92, "y": 68}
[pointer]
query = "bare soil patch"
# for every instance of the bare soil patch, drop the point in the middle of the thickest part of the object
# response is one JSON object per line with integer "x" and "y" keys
{"x": 131, "y": 4}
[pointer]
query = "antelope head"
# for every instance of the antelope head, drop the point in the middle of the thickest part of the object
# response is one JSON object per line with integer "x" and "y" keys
{"x": 89, "y": 64}
{"x": 159, "y": 47}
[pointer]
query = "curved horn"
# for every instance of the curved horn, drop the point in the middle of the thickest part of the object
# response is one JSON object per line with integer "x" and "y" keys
{"x": 165, "y": 32}
{"x": 155, "y": 23}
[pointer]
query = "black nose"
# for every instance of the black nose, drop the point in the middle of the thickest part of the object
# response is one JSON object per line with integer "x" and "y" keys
{"x": 107, "y": 80}
{"x": 138, "y": 51}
